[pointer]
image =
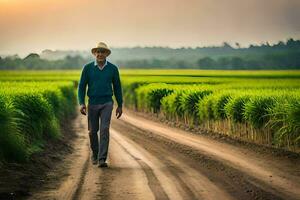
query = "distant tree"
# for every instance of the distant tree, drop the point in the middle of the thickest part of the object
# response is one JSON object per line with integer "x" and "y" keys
{"x": 182, "y": 64}
{"x": 293, "y": 44}
{"x": 73, "y": 62}
{"x": 290, "y": 41}
{"x": 238, "y": 45}
{"x": 237, "y": 63}
{"x": 224, "y": 62}
{"x": 206, "y": 62}
{"x": 226, "y": 45}
{"x": 251, "y": 46}
{"x": 32, "y": 56}
{"x": 282, "y": 55}
{"x": 280, "y": 44}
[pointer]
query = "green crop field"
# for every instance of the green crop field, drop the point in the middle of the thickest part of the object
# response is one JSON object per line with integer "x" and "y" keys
{"x": 262, "y": 114}
{"x": 257, "y": 106}
{"x": 31, "y": 113}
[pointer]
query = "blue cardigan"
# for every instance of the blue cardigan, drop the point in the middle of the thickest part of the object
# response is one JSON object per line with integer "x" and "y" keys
{"x": 100, "y": 84}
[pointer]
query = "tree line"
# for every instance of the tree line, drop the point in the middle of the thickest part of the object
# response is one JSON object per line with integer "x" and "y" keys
{"x": 282, "y": 55}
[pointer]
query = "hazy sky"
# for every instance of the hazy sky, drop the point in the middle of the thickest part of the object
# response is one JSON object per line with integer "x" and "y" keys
{"x": 35, "y": 25}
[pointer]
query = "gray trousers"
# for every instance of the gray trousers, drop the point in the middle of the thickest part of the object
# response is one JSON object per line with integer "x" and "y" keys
{"x": 102, "y": 112}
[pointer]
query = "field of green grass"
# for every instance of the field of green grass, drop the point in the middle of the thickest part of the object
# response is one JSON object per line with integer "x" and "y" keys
{"x": 257, "y": 106}
{"x": 31, "y": 114}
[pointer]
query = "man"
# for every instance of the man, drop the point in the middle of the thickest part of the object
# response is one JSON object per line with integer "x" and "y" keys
{"x": 100, "y": 75}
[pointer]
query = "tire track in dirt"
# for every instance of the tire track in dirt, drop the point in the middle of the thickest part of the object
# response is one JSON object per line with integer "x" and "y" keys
{"x": 150, "y": 161}
{"x": 183, "y": 181}
{"x": 153, "y": 169}
{"x": 77, "y": 166}
{"x": 275, "y": 178}
{"x": 124, "y": 178}
{"x": 153, "y": 183}
{"x": 184, "y": 162}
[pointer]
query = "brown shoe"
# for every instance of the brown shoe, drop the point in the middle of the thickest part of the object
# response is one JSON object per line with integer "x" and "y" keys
{"x": 102, "y": 164}
{"x": 94, "y": 160}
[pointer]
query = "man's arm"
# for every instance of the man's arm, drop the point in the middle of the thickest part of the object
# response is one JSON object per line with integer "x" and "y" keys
{"x": 117, "y": 88}
{"x": 82, "y": 86}
{"x": 118, "y": 93}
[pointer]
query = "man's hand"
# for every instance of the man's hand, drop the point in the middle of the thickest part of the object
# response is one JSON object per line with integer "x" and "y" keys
{"x": 83, "y": 109}
{"x": 119, "y": 112}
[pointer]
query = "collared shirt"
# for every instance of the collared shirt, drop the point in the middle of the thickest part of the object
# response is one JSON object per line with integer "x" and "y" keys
{"x": 96, "y": 64}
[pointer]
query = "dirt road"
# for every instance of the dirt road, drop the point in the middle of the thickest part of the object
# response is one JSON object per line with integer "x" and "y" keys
{"x": 149, "y": 160}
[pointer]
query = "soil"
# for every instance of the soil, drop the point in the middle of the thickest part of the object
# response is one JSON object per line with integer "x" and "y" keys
{"x": 18, "y": 181}
{"x": 152, "y": 160}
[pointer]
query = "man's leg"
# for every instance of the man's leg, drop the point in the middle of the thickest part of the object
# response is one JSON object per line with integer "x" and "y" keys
{"x": 93, "y": 127}
{"x": 105, "y": 116}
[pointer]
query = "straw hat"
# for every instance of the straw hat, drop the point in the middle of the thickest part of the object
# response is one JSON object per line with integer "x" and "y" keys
{"x": 101, "y": 45}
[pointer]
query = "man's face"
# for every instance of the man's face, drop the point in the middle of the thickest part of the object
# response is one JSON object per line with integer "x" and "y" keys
{"x": 101, "y": 54}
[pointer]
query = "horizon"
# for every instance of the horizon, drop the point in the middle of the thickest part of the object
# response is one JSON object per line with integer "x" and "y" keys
{"x": 139, "y": 46}
{"x": 32, "y": 25}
